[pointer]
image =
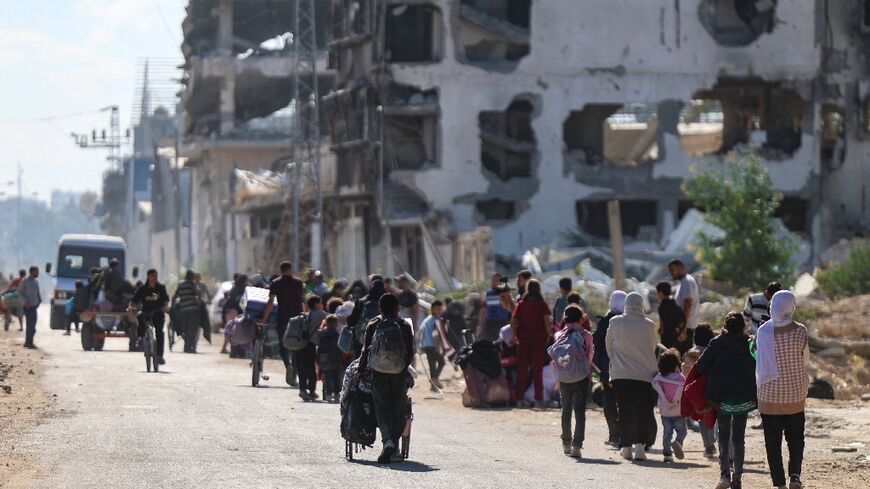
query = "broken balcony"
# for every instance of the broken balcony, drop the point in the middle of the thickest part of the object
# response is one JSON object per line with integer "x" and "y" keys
{"x": 494, "y": 33}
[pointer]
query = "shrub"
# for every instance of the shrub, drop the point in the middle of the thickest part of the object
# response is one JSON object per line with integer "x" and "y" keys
{"x": 738, "y": 199}
{"x": 851, "y": 277}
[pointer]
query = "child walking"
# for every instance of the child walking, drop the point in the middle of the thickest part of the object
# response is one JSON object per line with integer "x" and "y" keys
{"x": 572, "y": 353}
{"x": 668, "y": 383}
{"x": 329, "y": 358}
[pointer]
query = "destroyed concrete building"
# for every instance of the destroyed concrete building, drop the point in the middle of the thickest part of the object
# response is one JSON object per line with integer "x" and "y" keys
{"x": 238, "y": 71}
{"x": 527, "y": 116}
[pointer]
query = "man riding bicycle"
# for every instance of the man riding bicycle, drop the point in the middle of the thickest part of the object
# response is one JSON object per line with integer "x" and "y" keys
{"x": 154, "y": 301}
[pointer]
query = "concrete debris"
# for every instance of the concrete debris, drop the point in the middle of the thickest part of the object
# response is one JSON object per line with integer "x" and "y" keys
{"x": 838, "y": 253}
{"x": 251, "y": 185}
{"x": 685, "y": 234}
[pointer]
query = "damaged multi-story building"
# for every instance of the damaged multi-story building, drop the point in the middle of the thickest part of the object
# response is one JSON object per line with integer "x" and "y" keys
{"x": 237, "y": 99}
{"x": 520, "y": 119}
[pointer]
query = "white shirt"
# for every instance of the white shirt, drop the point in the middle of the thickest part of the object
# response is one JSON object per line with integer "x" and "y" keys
{"x": 687, "y": 288}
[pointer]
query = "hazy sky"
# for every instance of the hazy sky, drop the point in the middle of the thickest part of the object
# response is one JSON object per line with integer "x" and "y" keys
{"x": 60, "y": 57}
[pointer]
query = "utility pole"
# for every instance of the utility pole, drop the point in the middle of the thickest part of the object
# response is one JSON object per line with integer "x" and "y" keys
{"x": 306, "y": 140}
{"x": 614, "y": 221}
{"x": 111, "y": 141}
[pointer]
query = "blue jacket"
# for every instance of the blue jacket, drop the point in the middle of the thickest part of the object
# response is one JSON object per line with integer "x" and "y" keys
{"x": 599, "y": 340}
{"x": 730, "y": 369}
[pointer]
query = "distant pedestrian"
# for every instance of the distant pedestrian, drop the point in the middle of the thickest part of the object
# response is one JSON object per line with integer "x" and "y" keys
{"x": 576, "y": 299}
{"x": 364, "y": 310}
{"x": 703, "y": 335}
{"x": 315, "y": 284}
{"x": 204, "y": 293}
{"x": 329, "y": 358}
{"x": 730, "y": 370}
{"x": 688, "y": 298}
{"x": 432, "y": 338}
{"x": 14, "y": 311}
{"x": 388, "y": 350}
{"x": 231, "y": 305}
{"x": 497, "y": 310}
{"x": 81, "y": 300}
{"x": 523, "y": 277}
{"x": 782, "y": 379}
{"x": 572, "y": 352}
{"x": 631, "y": 344}
{"x": 289, "y": 292}
{"x": 531, "y": 327}
{"x": 188, "y": 296}
{"x": 601, "y": 360}
{"x": 757, "y": 309}
{"x": 31, "y": 298}
{"x": 565, "y": 286}
{"x": 672, "y": 322}
{"x": 409, "y": 303}
{"x": 305, "y": 358}
{"x": 668, "y": 384}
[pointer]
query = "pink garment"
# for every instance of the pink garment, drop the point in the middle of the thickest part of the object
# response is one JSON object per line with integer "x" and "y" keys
{"x": 670, "y": 391}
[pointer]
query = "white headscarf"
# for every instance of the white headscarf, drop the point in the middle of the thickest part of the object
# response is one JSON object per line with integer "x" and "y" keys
{"x": 617, "y": 301}
{"x": 633, "y": 303}
{"x": 782, "y": 306}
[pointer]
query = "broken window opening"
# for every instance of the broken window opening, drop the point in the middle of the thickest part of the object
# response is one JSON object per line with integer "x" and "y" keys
{"x": 496, "y": 209}
{"x": 621, "y": 135}
{"x": 833, "y": 145}
{"x": 508, "y": 142}
{"x": 639, "y": 219}
{"x": 408, "y": 249}
{"x": 761, "y": 115}
{"x": 413, "y": 34}
{"x": 701, "y": 127}
{"x": 410, "y": 141}
{"x": 735, "y": 23}
{"x": 794, "y": 214}
{"x": 494, "y": 33}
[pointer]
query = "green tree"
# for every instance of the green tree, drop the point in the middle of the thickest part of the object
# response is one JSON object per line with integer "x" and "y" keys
{"x": 738, "y": 199}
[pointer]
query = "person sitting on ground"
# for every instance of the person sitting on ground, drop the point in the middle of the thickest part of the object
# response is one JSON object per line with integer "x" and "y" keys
{"x": 602, "y": 362}
{"x": 783, "y": 381}
{"x": 432, "y": 336}
{"x": 668, "y": 384}
{"x": 730, "y": 370}
{"x": 672, "y": 322}
{"x": 388, "y": 350}
{"x": 703, "y": 334}
{"x": 329, "y": 359}
{"x": 631, "y": 343}
{"x": 574, "y": 384}
{"x": 757, "y": 309}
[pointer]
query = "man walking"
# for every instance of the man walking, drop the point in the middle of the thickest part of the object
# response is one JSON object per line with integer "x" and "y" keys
{"x": 190, "y": 299}
{"x": 757, "y": 310}
{"x": 688, "y": 298}
{"x": 289, "y": 291}
{"x": 388, "y": 350}
{"x": 494, "y": 315}
{"x": 30, "y": 296}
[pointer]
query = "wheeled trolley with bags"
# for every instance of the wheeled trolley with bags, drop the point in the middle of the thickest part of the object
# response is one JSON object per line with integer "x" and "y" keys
{"x": 358, "y": 423}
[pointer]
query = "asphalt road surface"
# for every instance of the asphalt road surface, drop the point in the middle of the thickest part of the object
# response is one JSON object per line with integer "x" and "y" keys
{"x": 199, "y": 423}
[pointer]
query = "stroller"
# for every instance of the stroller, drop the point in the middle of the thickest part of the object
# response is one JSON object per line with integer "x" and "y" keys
{"x": 358, "y": 423}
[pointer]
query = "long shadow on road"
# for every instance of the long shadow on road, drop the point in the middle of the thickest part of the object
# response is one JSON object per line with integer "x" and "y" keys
{"x": 407, "y": 466}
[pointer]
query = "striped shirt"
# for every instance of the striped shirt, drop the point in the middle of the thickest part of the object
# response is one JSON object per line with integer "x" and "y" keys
{"x": 757, "y": 311}
{"x": 189, "y": 295}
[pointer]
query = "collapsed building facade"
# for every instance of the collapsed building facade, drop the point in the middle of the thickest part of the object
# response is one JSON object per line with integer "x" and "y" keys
{"x": 237, "y": 99}
{"x": 522, "y": 118}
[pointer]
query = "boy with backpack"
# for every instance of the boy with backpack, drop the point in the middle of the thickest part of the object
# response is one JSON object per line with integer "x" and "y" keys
{"x": 668, "y": 384}
{"x": 388, "y": 350}
{"x": 572, "y": 354}
{"x": 329, "y": 358}
{"x": 300, "y": 339}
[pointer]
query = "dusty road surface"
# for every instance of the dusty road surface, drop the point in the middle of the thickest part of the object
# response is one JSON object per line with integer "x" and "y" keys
{"x": 199, "y": 424}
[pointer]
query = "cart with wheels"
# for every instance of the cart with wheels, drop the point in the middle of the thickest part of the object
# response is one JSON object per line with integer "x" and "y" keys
{"x": 97, "y": 326}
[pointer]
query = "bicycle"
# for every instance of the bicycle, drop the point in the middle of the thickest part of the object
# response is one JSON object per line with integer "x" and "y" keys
{"x": 257, "y": 357}
{"x": 149, "y": 342}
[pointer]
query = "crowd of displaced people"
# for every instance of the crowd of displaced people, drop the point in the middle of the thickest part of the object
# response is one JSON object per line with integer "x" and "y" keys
{"x": 707, "y": 377}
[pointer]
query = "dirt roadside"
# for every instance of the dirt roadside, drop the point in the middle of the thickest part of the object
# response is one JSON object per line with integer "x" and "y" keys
{"x": 23, "y": 404}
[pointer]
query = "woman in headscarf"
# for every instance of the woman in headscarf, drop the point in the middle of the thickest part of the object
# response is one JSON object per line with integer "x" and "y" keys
{"x": 631, "y": 344}
{"x": 782, "y": 380}
{"x": 602, "y": 361}
{"x": 532, "y": 326}
{"x": 730, "y": 370}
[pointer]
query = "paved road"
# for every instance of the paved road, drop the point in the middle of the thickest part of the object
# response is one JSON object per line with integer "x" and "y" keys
{"x": 199, "y": 424}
